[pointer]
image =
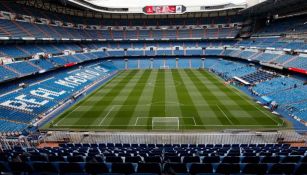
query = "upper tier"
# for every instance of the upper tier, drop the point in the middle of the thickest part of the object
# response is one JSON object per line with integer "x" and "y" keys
{"x": 28, "y": 23}
{"x": 25, "y": 30}
{"x": 39, "y": 13}
{"x": 292, "y": 25}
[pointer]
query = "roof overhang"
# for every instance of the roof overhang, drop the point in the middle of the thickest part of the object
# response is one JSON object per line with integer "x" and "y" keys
{"x": 138, "y": 6}
{"x": 275, "y": 7}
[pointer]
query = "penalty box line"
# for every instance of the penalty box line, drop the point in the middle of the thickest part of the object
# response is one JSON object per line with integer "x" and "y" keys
{"x": 100, "y": 123}
{"x": 137, "y": 119}
{"x": 62, "y": 119}
{"x": 106, "y": 116}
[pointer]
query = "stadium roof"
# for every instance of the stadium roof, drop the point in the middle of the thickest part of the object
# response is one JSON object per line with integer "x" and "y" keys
{"x": 142, "y": 3}
{"x": 277, "y": 7}
{"x": 160, "y": 6}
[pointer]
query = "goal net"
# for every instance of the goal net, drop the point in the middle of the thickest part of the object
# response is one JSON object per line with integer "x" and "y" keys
{"x": 164, "y": 67}
{"x": 165, "y": 123}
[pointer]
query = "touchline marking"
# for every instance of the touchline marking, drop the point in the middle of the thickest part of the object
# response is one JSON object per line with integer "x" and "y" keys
{"x": 106, "y": 116}
{"x": 157, "y": 104}
{"x": 268, "y": 116}
{"x": 278, "y": 124}
{"x": 236, "y": 91}
{"x": 224, "y": 114}
{"x": 67, "y": 115}
{"x": 150, "y": 125}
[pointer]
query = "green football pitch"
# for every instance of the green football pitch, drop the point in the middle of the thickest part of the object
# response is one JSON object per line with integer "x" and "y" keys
{"x": 178, "y": 99}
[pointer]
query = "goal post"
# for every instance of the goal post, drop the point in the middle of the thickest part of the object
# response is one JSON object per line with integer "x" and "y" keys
{"x": 164, "y": 67}
{"x": 165, "y": 123}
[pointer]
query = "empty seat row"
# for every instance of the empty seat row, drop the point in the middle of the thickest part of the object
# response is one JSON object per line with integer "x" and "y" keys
{"x": 153, "y": 168}
{"x": 160, "y": 159}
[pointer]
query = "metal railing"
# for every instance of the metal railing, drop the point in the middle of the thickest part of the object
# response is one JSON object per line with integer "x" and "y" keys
{"x": 226, "y": 137}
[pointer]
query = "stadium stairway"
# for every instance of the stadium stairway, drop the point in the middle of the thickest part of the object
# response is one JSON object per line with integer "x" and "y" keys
{"x": 13, "y": 70}
{"x": 290, "y": 60}
{"x": 34, "y": 65}
{"x": 22, "y": 29}
{"x": 23, "y": 50}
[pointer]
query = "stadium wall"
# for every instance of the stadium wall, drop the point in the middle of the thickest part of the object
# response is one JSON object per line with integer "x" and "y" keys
{"x": 223, "y": 137}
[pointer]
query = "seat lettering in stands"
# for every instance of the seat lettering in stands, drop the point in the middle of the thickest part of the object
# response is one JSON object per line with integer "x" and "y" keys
{"x": 66, "y": 83}
{"x": 92, "y": 72}
{"x": 48, "y": 94}
{"x": 85, "y": 75}
{"x": 99, "y": 68}
{"x": 17, "y": 104}
{"x": 75, "y": 79}
{"x": 31, "y": 100}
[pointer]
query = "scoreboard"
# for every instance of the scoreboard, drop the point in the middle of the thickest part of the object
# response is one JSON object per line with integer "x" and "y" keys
{"x": 166, "y": 9}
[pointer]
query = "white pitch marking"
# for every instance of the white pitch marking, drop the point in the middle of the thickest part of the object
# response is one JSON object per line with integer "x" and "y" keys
{"x": 278, "y": 124}
{"x": 136, "y": 121}
{"x": 194, "y": 121}
{"x": 106, "y": 116}
{"x": 67, "y": 115}
{"x": 149, "y": 125}
{"x": 235, "y": 91}
{"x": 174, "y": 117}
{"x": 224, "y": 114}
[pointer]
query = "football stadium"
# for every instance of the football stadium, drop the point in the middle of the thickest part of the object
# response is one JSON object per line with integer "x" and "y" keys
{"x": 152, "y": 87}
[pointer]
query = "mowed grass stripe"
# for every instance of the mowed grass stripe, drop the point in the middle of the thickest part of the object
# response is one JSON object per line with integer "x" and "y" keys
{"x": 218, "y": 108}
{"x": 132, "y": 97}
{"x": 99, "y": 95}
{"x": 103, "y": 89}
{"x": 91, "y": 116}
{"x": 142, "y": 108}
{"x": 184, "y": 98}
{"x": 261, "y": 112}
{"x": 240, "y": 116}
{"x": 157, "y": 108}
{"x": 125, "y": 113}
{"x": 244, "y": 114}
{"x": 172, "y": 108}
{"x": 86, "y": 101}
{"x": 204, "y": 109}
{"x": 117, "y": 101}
{"x": 254, "y": 113}
{"x": 70, "y": 114}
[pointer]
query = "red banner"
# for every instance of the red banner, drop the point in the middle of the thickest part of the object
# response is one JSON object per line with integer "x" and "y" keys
{"x": 298, "y": 70}
{"x": 166, "y": 9}
{"x": 149, "y": 9}
{"x": 69, "y": 64}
